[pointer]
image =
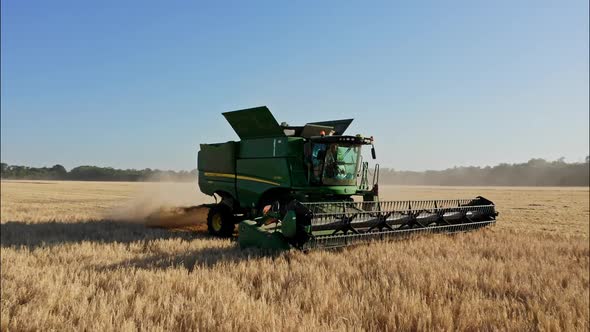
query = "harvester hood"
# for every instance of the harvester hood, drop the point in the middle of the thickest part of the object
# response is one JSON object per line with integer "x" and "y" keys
{"x": 258, "y": 122}
{"x": 255, "y": 122}
{"x": 339, "y": 126}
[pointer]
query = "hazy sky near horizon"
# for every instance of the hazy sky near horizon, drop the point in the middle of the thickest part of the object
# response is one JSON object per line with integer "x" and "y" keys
{"x": 136, "y": 84}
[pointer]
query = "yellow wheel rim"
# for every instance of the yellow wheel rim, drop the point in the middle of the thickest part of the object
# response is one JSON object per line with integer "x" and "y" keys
{"x": 216, "y": 222}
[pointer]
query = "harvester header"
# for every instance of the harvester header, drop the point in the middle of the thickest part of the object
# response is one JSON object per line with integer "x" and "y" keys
{"x": 307, "y": 186}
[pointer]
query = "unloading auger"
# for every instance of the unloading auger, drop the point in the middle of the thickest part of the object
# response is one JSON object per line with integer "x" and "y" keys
{"x": 307, "y": 187}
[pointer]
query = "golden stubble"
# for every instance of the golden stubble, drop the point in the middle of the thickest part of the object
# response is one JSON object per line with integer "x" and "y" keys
{"x": 71, "y": 260}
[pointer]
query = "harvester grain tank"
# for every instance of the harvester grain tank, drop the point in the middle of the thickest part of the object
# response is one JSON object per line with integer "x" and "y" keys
{"x": 307, "y": 187}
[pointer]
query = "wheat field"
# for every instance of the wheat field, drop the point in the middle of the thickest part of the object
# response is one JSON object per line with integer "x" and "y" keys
{"x": 77, "y": 256}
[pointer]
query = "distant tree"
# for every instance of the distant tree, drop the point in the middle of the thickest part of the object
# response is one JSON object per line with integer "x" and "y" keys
{"x": 59, "y": 172}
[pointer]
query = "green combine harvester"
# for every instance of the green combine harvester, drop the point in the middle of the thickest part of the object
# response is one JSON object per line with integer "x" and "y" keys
{"x": 308, "y": 187}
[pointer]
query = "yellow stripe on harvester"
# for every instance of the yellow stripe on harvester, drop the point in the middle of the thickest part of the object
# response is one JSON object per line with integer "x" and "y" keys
{"x": 240, "y": 177}
{"x": 220, "y": 175}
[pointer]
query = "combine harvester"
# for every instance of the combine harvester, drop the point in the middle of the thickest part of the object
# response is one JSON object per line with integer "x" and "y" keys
{"x": 295, "y": 186}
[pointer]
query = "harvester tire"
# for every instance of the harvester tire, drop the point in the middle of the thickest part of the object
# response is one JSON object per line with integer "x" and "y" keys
{"x": 220, "y": 221}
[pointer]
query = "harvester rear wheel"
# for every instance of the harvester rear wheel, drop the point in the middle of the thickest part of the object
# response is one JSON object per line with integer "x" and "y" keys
{"x": 220, "y": 221}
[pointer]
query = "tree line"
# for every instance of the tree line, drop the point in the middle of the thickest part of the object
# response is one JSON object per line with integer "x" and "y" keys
{"x": 535, "y": 172}
{"x": 93, "y": 173}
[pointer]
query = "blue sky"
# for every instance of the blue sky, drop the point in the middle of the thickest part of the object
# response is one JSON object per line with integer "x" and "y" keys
{"x": 136, "y": 84}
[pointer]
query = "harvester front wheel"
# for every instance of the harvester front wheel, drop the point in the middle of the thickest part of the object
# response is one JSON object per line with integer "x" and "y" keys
{"x": 220, "y": 221}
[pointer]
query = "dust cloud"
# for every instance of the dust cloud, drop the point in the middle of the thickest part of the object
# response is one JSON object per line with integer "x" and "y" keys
{"x": 165, "y": 204}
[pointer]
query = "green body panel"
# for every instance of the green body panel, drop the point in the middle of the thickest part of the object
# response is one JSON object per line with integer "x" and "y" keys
{"x": 280, "y": 147}
{"x": 217, "y": 168}
{"x": 219, "y": 157}
{"x": 211, "y": 185}
{"x": 264, "y": 237}
{"x": 252, "y": 182}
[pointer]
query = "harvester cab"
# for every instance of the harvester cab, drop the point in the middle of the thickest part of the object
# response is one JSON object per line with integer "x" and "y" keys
{"x": 307, "y": 186}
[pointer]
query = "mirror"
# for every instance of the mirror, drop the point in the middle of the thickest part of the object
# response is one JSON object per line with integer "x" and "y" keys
{"x": 373, "y": 154}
